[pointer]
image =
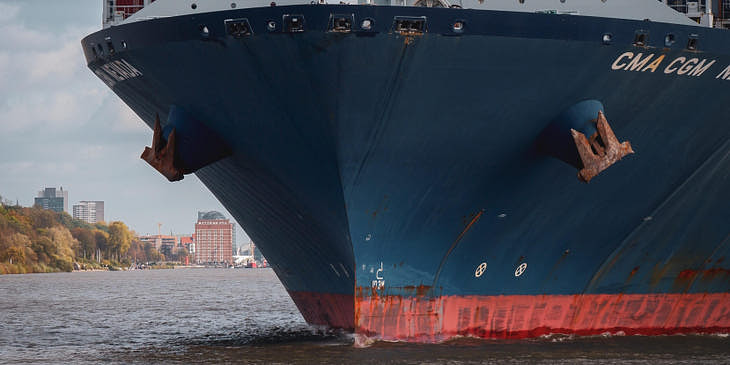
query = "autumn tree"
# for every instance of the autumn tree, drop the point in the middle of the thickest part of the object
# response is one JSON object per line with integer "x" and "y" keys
{"x": 102, "y": 241}
{"x": 42, "y": 218}
{"x": 37, "y": 240}
{"x": 44, "y": 249}
{"x": 181, "y": 254}
{"x": 151, "y": 252}
{"x": 87, "y": 241}
{"x": 119, "y": 238}
{"x": 16, "y": 248}
{"x": 136, "y": 252}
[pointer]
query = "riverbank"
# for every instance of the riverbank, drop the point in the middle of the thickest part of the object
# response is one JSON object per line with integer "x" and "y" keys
{"x": 117, "y": 267}
{"x": 34, "y": 240}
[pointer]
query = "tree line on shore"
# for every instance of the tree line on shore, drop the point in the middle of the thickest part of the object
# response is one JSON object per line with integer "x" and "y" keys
{"x": 38, "y": 240}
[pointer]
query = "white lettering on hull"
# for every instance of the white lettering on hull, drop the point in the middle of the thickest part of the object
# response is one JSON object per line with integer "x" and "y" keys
{"x": 116, "y": 71}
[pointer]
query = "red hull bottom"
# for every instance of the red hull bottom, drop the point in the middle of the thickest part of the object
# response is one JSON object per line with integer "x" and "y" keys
{"x": 421, "y": 319}
{"x": 523, "y": 316}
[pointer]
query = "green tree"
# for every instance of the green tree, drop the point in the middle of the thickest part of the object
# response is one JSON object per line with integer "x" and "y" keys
{"x": 119, "y": 238}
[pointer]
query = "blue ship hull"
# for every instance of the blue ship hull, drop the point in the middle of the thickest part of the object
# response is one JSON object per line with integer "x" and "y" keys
{"x": 395, "y": 181}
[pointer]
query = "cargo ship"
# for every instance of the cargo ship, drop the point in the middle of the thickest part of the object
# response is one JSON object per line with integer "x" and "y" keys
{"x": 417, "y": 170}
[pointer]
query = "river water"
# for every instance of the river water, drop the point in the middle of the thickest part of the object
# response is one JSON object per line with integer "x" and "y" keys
{"x": 202, "y": 316}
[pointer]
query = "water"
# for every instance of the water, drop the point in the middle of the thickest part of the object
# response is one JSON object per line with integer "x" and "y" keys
{"x": 202, "y": 316}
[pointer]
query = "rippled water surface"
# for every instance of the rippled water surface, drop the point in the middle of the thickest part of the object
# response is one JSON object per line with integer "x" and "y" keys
{"x": 245, "y": 316}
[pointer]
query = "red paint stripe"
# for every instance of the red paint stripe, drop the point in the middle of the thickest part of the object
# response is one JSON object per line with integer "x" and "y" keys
{"x": 521, "y": 316}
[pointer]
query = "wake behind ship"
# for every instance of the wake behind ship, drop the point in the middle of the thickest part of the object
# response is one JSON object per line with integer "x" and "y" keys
{"x": 421, "y": 170}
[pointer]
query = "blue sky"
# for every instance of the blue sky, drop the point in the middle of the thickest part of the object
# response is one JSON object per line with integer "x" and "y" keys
{"x": 61, "y": 126}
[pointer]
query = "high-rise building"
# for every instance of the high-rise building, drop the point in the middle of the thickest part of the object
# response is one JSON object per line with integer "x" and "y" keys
{"x": 213, "y": 239}
{"x": 89, "y": 211}
{"x": 50, "y": 198}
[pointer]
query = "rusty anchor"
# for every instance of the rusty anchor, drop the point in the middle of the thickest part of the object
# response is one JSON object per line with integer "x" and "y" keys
{"x": 601, "y": 151}
{"x": 162, "y": 154}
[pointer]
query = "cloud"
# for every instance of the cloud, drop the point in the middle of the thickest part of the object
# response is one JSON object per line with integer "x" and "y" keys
{"x": 4, "y": 64}
{"x": 90, "y": 153}
{"x": 61, "y": 126}
{"x": 124, "y": 119}
{"x": 23, "y": 168}
{"x": 8, "y": 12}
{"x": 57, "y": 65}
{"x": 54, "y": 110}
{"x": 18, "y": 37}
{"x": 51, "y": 88}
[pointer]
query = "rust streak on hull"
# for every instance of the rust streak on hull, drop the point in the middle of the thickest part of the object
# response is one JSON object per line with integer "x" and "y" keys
{"x": 523, "y": 316}
{"x": 161, "y": 155}
{"x": 597, "y": 156}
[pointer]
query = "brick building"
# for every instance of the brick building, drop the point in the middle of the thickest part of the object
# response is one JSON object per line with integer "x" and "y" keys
{"x": 213, "y": 239}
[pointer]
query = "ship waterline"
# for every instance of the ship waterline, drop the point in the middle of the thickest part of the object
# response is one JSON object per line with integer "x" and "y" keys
{"x": 396, "y": 179}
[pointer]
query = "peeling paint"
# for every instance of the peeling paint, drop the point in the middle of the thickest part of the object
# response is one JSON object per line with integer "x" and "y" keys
{"x": 438, "y": 319}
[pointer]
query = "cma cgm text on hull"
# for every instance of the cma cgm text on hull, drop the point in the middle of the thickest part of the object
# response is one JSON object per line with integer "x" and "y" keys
{"x": 410, "y": 171}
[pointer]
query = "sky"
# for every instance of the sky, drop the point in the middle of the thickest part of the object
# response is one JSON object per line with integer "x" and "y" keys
{"x": 60, "y": 126}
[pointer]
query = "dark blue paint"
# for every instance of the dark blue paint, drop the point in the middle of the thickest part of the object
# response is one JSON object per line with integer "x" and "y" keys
{"x": 557, "y": 141}
{"x": 350, "y": 151}
{"x": 197, "y": 146}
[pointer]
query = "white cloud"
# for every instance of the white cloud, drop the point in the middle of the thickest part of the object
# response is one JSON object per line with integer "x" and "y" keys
{"x": 4, "y": 64}
{"x": 16, "y": 167}
{"x": 125, "y": 119}
{"x": 23, "y": 168}
{"x": 54, "y": 110}
{"x": 51, "y": 88}
{"x": 20, "y": 38}
{"x": 8, "y": 12}
{"x": 61, "y": 126}
{"x": 91, "y": 152}
{"x": 56, "y": 65}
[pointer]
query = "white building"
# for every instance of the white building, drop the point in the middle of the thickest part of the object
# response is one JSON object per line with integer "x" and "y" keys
{"x": 89, "y": 211}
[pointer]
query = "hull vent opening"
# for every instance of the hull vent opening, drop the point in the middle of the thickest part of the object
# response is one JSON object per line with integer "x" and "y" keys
{"x": 238, "y": 28}
{"x": 341, "y": 23}
{"x": 641, "y": 38}
{"x": 457, "y": 27}
{"x": 607, "y": 38}
{"x": 367, "y": 24}
{"x": 294, "y": 23}
{"x": 109, "y": 45}
{"x": 271, "y": 26}
{"x": 692, "y": 42}
{"x": 409, "y": 25}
